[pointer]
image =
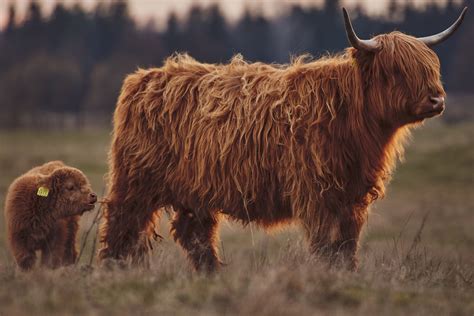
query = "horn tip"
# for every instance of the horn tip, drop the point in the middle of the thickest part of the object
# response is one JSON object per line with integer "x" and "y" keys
{"x": 463, "y": 13}
{"x": 345, "y": 13}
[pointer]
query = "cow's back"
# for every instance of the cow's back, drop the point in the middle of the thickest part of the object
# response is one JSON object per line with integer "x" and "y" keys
{"x": 203, "y": 136}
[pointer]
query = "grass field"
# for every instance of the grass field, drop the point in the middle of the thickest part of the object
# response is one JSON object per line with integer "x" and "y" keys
{"x": 416, "y": 257}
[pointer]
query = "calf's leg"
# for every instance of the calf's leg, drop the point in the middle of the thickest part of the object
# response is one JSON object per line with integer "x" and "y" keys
{"x": 52, "y": 250}
{"x": 69, "y": 255}
{"x": 24, "y": 255}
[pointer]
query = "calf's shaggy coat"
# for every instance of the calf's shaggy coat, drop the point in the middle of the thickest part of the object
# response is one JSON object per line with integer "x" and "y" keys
{"x": 46, "y": 219}
{"x": 313, "y": 142}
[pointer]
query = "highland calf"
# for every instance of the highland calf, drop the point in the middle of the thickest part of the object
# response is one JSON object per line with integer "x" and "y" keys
{"x": 312, "y": 142}
{"x": 42, "y": 212}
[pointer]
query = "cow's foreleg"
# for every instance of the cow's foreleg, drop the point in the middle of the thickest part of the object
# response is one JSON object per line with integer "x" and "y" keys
{"x": 197, "y": 235}
{"x": 348, "y": 243}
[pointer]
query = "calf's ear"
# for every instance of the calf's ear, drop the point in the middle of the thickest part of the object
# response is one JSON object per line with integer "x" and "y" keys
{"x": 43, "y": 194}
{"x": 57, "y": 178}
{"x": 41, "y": 190}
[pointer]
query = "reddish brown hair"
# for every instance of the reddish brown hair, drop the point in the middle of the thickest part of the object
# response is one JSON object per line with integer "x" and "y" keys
{"x": 312, "y": 141}
{"x": 46, "y": 221}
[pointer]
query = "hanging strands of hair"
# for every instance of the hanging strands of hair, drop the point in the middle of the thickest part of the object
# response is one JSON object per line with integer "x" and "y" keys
{"x": 95, "y": 222}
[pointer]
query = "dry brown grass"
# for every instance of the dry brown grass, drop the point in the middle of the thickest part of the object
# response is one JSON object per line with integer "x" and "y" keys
{"x": 416, "y": 255}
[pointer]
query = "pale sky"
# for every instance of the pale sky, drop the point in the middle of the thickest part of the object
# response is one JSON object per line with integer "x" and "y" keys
{"x": 144, "y": 10}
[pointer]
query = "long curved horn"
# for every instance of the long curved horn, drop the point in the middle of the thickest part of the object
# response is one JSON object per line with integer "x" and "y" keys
{"x": 367, "y": 45}
{"x": 441, "y": 37}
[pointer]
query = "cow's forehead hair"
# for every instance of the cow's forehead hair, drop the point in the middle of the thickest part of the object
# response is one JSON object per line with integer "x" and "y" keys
{"x": 406, "y": 52}
{"x": 402, "y": 57}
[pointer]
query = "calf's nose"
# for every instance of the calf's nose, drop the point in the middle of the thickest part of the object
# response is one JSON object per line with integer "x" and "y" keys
{"x": 93, "y": 197}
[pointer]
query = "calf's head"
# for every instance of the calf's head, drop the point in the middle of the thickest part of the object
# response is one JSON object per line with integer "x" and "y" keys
{"x": 70, "y": 192}
{"x": 400, "y": 74}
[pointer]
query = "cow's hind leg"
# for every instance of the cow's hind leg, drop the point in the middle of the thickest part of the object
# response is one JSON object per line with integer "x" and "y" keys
{"x": 197, "y": 235}
{"x": 125, "y": 233}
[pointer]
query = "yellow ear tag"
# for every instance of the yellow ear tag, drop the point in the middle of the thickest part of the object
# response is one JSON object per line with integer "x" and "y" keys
{"x": 42, "y": 191}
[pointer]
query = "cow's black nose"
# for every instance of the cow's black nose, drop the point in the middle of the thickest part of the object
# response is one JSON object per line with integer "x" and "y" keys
{"x": 438, "y": 103}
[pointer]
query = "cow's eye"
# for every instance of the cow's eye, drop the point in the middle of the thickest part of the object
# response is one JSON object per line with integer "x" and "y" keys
{"x": 70, "y": 187}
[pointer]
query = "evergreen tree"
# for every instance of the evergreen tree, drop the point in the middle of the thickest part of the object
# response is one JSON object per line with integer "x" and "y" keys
{"x": 172, "y": 36}
{"x": 73, "y": 62}
{"x": 254, "y": 38}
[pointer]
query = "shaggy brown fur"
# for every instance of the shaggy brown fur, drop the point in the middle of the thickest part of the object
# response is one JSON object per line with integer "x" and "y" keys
{"x": 313, "y": 142}
{"x": 47, "y": 223}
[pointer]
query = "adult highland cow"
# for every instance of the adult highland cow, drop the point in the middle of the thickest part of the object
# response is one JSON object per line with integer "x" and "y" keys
{"x": 311, "y": 142}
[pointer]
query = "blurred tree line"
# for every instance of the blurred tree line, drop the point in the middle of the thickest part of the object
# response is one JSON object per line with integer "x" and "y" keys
{"x": 67, "y": 68}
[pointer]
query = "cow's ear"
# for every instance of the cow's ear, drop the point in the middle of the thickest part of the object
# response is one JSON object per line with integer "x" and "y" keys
{"x": 361, "y": 59}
